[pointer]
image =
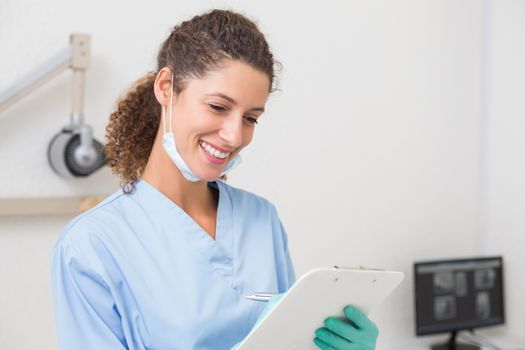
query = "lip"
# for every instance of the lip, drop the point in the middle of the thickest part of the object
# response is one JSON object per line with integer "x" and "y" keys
{"x": 217, "y": 147}
{"x": 212, "y": 159}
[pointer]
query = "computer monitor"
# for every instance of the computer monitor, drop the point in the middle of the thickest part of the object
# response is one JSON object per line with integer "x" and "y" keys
{"x": 458, "y": 294}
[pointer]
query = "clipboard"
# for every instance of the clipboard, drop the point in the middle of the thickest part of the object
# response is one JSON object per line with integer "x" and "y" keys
{"x": 318, "y": 294}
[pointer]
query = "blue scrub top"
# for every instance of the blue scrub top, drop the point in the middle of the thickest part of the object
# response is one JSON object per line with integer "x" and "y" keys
{"x": 137, "y": 272}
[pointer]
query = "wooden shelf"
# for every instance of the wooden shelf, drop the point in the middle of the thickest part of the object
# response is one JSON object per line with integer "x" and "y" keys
{"x": 47, "y": 205}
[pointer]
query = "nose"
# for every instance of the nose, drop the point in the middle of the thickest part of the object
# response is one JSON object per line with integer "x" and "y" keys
{"x": 231, "y": 131}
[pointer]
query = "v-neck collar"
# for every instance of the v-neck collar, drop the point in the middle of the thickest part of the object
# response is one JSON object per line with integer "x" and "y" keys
{"x": 171, "y": 220}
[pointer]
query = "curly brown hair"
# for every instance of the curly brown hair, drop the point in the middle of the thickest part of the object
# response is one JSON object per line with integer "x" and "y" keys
{"x": 193, "y": 48}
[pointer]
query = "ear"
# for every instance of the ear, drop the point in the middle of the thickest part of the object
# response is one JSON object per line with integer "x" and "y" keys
{"x": 162, "y": 85}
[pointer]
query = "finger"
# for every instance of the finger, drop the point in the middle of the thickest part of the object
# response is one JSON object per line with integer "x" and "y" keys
{"x": 333, "y": 339}
{"x": 360, "y": 319}
{"x": 344, "y": 329}
{"x": 322, "y": 345}
{"x": 325, "y": 339}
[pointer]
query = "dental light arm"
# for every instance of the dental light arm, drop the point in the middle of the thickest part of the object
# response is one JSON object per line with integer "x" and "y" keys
{"x": 35, "y": 79}
{"x": 73, "y": 151}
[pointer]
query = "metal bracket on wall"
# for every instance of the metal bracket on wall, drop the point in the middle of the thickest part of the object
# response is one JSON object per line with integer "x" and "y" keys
{"x": 75, "y": 56}
{"x": 72, "y": 152}
{"x": 47, "y": 205}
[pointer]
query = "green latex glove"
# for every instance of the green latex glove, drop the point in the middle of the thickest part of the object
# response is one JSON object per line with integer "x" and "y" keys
{"x": 269, "y": 305}
{"x": 358, "y": 332}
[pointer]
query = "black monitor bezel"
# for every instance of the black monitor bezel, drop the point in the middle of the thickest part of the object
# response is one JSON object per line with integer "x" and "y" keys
{"x": 459, "y": 260}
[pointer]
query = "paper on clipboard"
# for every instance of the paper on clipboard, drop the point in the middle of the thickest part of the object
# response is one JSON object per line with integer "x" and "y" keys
{"x": 318, "y": 294}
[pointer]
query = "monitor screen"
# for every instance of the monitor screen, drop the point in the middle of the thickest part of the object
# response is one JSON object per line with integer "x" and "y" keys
{"x": 458, "y": 294}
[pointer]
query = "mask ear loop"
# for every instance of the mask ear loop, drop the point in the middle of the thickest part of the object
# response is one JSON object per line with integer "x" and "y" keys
{"x": 163, "y": 118}
{"x": 171, "y": 101}
{"x": 163, "y": 108}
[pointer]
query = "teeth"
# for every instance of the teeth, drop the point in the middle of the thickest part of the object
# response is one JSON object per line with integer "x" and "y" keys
{"x": 214, "y": 152}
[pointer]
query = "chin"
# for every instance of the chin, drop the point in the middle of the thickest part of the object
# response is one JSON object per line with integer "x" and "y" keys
{"x": 209, "y": 177}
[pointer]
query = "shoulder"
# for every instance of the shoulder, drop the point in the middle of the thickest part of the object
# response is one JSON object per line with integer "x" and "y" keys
{"x": 79, "y": 231}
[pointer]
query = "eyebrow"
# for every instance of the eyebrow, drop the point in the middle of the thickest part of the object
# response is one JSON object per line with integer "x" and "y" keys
{"x": 231, "y": 100}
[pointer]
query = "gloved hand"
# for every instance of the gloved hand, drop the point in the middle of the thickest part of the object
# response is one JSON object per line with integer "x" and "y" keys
{"x": 358, "y": 332}
{"x": 269, "y": 305}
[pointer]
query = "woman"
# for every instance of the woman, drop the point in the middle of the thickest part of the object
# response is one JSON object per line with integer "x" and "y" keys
{"x": 166, "y": 262}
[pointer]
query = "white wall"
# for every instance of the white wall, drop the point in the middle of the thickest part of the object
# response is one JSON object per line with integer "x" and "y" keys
{"x": 26, "y": 309}
{"x": 505, "y": 161}
{"x": 371, "y": 151}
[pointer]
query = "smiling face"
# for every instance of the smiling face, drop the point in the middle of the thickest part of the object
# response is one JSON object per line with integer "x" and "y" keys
{"x": 214, "y": 117}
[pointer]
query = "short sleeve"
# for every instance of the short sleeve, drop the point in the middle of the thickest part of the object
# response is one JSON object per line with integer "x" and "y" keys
{"x": 85, "y": 313}
{"x": 286, "y": 273}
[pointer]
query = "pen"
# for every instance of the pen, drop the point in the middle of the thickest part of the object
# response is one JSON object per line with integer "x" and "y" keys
{"x": 260, "y": 296}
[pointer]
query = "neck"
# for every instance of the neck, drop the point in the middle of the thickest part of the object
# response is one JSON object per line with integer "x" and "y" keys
{"x": 160, "y": 172}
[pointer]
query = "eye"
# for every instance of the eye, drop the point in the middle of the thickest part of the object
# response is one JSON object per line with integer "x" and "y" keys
{"x": 217, "y": 108}
{"x": 250, "y": 120}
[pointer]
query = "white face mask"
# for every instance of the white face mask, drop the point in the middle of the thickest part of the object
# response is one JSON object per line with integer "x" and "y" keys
{"x": 168, "y": 142}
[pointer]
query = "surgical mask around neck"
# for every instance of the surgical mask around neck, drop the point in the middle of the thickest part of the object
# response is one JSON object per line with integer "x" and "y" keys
{"x": 169, "y": 145}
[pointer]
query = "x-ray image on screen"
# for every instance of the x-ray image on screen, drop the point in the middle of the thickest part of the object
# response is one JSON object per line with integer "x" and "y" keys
{"x": 444, "y": 307}
{"x": 444, "y": 283}
{"x": 461, "y": 284}
{"x": 484, "y": 279}
{"x": 483, "y": 305}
